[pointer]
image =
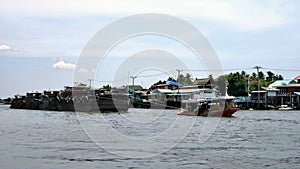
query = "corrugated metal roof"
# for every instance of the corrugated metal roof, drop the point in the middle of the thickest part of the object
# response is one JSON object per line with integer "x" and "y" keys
{"x": 290, "y": 85}
{"x": 281, "y": 82}
{"x": 173, "y": 83}
{"x": 297, "y": 78}
{"x": 163, "y": 91}
{"x": 190, "y": 90}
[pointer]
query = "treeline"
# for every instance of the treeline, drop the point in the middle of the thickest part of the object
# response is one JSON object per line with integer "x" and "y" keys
{"x": 185, "y": 80}
{"x": 240, "y": 83}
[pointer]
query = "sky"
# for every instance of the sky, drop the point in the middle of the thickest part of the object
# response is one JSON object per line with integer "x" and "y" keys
{"x": 40, "y": 41}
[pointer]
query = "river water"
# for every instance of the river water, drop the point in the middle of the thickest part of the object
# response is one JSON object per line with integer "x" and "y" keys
{"x": 251, "y": 139}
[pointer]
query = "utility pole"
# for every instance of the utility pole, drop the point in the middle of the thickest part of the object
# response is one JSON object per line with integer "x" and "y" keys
{"x": 133, "y": 77}
{"x": 178, "y": 79}
{"x": 178, "y": 74}
{"x": 257, "y": 68}
{"x": 248, "y": 85}
{"x": 90, "y": 82}
{"x": 75, "y": 83}
{"x": 248, "y": 88}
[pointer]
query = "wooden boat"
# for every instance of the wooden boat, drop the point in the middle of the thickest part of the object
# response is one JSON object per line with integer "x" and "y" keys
{"x": 217, "y": 108}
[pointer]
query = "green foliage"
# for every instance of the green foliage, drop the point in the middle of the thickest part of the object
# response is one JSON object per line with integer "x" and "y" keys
{"x": 237, "y": 85}
{"x": 186, "y": 80}
{"x": 221, "y": 84}
{"x": 261, "y": 75}
{"x": 272, "y": 77}
{"x": 238, "y": 82}
{"x": 157, "y": 83}
{"x": 253, "y": 77}
{"x": 171, "y": 79}
{"x": 107, "y": 87}
{"x": 82, "y": 84}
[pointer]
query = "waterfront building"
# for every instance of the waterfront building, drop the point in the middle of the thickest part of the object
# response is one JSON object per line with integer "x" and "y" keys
{"x": 288, "y": 92}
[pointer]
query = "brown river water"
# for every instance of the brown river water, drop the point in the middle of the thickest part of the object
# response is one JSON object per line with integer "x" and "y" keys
{"x": 44, "y": 139}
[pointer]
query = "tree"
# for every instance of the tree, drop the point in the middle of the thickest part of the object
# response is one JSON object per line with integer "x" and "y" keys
{"x": 253, "y": 77}
{"x": 261, "y": 75}
{"x": 279, "y": 77}
{"x": 243, "y": 73}
{"x": 82, "y": 84}
{"x": 254, "y": 86}
{"x": 157, "y": 83}
{"x": 171, "y": 79}
{"x": 186, "y": 80}
{"x": 221, "y": 84}
{"x": 237, "y": 85}
{"x": 180, "y": 78}
{"x": 107, "y": 87}
{"x": 271, "y": 76}
{"x": 238, "y": 82}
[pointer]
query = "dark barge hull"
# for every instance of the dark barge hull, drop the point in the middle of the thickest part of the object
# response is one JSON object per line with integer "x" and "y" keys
{"x": 76, "y": 102}
{"x": 102, "y": 106}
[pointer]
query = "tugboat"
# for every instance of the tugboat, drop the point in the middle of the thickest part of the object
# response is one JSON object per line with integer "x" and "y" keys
{"x": 139, "y": 99}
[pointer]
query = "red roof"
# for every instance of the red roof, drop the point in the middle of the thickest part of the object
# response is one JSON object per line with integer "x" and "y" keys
{"x": 297, "y": 78}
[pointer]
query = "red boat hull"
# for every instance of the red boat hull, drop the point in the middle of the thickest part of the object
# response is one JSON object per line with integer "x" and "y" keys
{"x": 226, "y": 113}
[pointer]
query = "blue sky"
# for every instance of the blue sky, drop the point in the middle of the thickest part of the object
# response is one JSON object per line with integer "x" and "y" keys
{"x": 40, "y": 41}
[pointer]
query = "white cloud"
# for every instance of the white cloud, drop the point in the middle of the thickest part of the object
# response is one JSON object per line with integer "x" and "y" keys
{"x": 241, "y": 15}
{"x": 82, "y": 70}
{"x": 6, "y": 48}
{"x": 64, "y": 66}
